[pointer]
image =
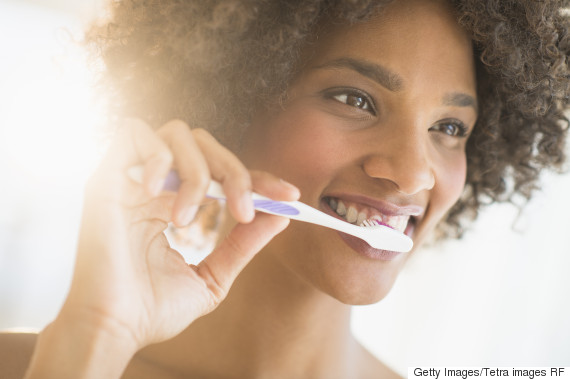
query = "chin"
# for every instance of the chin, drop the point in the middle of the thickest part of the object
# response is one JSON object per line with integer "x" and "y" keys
{"x": 332, "y": 267}
{"x": 359, "y": 290}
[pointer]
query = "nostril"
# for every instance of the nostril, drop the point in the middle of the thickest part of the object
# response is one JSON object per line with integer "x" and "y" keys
{"x": 409, "y": 177}
{"x": 415, "y": 182}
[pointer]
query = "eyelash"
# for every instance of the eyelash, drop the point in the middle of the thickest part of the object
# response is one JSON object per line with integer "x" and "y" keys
{"x": 347, "y": 93}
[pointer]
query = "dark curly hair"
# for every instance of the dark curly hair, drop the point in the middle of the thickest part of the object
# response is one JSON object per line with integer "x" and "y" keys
{"x": 214, "y": 63}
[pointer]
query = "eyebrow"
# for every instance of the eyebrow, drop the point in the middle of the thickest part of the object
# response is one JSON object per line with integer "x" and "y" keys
{"x": 458, "y": 99}
{"x": 392, "y": 81}
{"x": 376, "y": 72}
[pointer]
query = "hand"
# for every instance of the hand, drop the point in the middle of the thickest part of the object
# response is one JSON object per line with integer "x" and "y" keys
{"x": 127, "y": 279}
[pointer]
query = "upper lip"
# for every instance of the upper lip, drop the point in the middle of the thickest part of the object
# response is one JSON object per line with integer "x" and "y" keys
{"x": 384, "y": 207}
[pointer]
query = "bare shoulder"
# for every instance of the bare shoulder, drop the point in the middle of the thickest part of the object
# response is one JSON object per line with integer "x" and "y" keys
{"x": 372, "y": 368}
{"x": 15, "y": 352}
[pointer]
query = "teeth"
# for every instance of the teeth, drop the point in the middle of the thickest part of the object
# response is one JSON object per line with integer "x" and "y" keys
{"x": 361, "y": 217}
{"x": 400, "y": 224}
{"x": 341, "y": 209}
{"x": 333, "y": 203}
{"x": 396, "y": 222}
{"x": 352, "y": 216}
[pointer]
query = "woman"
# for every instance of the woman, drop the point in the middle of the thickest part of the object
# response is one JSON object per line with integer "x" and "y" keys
{"x": 413, "y": 111}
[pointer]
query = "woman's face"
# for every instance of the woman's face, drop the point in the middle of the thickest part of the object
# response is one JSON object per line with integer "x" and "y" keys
{"x": 375, "y": 126}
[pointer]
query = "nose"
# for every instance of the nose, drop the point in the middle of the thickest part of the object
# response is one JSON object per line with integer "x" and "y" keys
{"x": 403, "y": 160}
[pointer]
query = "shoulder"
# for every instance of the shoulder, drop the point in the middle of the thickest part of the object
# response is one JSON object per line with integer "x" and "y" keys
{"x": 371, "y": 367}
{"x": 16, "y": 349}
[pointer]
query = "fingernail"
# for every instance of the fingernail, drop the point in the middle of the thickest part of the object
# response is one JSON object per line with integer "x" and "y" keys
{"x": 292, "y": 186}
{"x": 186, "y": 216}
{"x": 247, "y": 205}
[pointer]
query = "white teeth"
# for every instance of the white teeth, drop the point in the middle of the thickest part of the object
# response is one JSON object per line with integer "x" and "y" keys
{"x": 351, "y": 215}
{"x": 397, "y": 222}
{"x": 361, "y": 217}
{"x": 341, "y": 209}
{"x": 401, "y": 223}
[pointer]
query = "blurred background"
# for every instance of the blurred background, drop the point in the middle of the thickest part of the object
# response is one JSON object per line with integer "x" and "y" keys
{"x": 499, "y": 297}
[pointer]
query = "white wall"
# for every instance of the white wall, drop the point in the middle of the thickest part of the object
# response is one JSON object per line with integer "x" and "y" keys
{"x": 497, "y": 297}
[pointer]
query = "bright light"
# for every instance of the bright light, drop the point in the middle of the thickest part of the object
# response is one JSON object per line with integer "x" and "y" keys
{"x": 48, "y": 147}
{"x": 48, "y": 114}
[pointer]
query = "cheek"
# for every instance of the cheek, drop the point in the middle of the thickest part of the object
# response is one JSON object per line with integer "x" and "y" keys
{"x": 450, "y": 181}
{"x": 300, "y": 147}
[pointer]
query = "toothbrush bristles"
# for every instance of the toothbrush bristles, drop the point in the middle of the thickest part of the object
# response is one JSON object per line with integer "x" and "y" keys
{"x": 372, "y": 223}
{"x": 367, "y": 223}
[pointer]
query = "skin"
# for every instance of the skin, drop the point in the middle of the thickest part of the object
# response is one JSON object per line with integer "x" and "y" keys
{"x": 132, "y": 297}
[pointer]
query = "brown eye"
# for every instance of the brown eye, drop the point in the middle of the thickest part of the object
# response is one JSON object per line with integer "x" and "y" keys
{"x": 451, "y": 128}
{"x": 354, "y": 100}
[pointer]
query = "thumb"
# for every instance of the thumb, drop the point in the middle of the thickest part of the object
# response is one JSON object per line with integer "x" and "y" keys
{"x": 222, "y": 266}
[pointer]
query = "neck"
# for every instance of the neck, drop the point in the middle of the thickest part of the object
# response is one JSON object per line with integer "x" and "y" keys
{"x": 272, "y": 324}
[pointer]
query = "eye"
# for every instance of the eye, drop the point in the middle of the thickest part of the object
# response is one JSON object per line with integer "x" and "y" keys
{"x": 352, "y": 97}
{"x": 357, "y": 101}
{"x": 452, "y": 128}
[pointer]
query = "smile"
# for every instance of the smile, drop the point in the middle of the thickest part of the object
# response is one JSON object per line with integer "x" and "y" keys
{"x": 361, "y": 215}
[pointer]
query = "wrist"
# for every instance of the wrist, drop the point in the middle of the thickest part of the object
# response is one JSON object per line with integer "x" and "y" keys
{"x": 74, "y": 347}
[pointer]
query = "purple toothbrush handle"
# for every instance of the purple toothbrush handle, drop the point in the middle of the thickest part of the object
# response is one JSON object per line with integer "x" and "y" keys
{"x": 275, "y": 207}
{"x": 172, "y": 183}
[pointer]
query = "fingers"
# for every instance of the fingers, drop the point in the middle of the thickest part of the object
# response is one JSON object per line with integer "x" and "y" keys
{"x": 192, "y": 169}
{"x": 273, "y": 187}
{"x": 136, "y": 142}
{"x": 222, "y": 266}
{"x": 198, "y": 158}
{"x": 227, "y": 169}
{"x": 222, "y": 165}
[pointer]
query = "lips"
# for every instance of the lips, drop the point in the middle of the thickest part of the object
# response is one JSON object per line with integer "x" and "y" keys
{"x": 402, "y": 218}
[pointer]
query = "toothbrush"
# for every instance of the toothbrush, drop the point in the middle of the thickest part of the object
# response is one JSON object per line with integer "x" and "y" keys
{"x": 376, "y": 235}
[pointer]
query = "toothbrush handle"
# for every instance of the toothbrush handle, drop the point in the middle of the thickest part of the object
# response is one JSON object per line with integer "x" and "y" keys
{"x": 261, "y": 203}
{"x": 291, "y": 209}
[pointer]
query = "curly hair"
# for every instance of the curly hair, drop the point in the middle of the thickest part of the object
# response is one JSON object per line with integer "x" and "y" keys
{"x": 214, "y": 63}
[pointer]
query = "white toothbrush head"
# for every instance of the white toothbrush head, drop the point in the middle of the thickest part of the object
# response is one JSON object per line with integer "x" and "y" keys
{"x": 381, "y": 236}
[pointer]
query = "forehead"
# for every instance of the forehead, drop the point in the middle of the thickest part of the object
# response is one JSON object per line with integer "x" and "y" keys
{"x": 420, "y": 40}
